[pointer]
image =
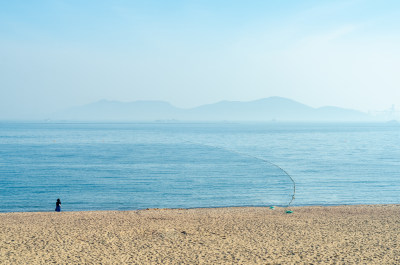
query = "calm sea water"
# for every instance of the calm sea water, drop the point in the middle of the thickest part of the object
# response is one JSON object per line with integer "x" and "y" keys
{"x": 98, "y": 166}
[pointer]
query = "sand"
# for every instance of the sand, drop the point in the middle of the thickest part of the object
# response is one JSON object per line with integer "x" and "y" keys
{"x": 310, "y": 235}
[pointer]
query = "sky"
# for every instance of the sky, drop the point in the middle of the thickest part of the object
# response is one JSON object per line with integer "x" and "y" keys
{"x": 59, "y": 54}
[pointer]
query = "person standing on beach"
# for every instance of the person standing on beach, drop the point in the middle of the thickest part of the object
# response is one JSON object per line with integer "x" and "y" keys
{"x": 58, "y": 205}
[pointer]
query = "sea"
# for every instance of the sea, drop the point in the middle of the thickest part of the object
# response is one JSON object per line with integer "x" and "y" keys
{"x": 129, "y": 166}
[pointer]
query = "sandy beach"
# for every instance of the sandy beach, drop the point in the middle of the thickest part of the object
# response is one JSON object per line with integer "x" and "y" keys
{"x": 309, "y": 235}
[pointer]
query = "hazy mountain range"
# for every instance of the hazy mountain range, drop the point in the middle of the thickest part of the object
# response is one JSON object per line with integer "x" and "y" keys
{"x": 268, "y": 109}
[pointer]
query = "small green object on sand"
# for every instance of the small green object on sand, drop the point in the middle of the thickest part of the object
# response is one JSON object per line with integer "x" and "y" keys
{"x": 289, "y": 211}
{"x": 272, "y": 207}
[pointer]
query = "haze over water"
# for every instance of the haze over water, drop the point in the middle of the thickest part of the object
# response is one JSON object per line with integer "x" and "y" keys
{"x": 212, "y": 61}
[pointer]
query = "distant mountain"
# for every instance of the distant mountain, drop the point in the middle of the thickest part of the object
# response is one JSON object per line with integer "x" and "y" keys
{"x": 273, "y": 108}
{"x": 268, "y": 109}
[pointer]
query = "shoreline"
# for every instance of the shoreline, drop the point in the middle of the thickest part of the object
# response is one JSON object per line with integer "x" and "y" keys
{"x": 244, "y": 235}
{"x": 216, "y": 207}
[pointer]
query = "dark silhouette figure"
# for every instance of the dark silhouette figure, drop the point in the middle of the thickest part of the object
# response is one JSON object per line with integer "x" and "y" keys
{"x": 58, "y": 205}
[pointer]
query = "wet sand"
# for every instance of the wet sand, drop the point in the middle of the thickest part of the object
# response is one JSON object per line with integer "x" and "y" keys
{"x": 309, "y": 235}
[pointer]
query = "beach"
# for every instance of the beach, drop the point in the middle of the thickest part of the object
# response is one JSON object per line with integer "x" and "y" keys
{"x": 367, "y": 234}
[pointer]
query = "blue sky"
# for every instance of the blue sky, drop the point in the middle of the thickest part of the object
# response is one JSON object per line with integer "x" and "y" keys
{"x": 58, "y": 54}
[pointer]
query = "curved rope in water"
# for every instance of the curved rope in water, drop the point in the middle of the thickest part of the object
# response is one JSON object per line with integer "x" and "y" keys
{"x": 257, "y": 158}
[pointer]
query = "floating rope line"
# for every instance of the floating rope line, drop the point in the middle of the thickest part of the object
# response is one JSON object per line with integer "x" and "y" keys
{"x": 257, "y": 158}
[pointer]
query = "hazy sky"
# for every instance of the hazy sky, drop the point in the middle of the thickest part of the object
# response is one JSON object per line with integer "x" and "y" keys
{"x": 58, "y": 54}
